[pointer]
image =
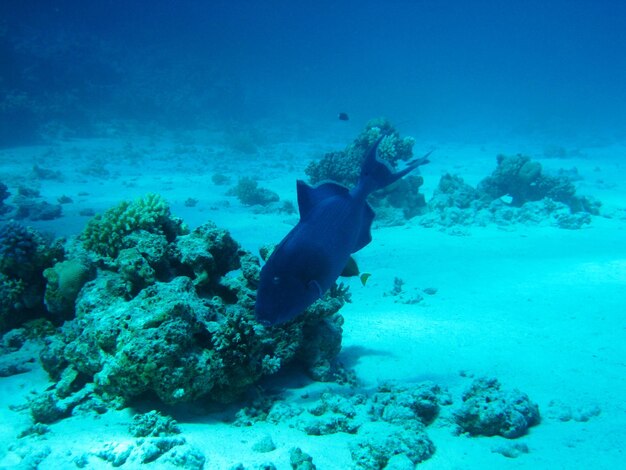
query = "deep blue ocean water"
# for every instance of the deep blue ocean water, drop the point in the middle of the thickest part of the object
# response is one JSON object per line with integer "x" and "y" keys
{"x": 451, "y": 69}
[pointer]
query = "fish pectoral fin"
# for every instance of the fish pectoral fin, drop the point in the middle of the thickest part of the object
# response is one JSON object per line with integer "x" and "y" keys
{"x": 315, "y": 287}
{"x": 350, "y": 269}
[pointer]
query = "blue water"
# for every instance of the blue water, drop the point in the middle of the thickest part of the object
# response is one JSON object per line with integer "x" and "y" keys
{"x": 106, "y": 101}
{"x": 451, "y": 69}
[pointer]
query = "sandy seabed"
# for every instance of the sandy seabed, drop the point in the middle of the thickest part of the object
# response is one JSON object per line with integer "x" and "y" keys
{"x": 540, "y": 308}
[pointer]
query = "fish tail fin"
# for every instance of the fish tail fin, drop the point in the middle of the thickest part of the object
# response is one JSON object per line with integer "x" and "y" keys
{"x": 377, "y": 173}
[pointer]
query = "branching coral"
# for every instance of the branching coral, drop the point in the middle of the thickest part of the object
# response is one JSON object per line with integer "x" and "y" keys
{"x": 106, "y": 234}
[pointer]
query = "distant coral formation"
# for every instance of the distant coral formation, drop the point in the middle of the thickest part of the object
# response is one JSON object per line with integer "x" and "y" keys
{"x": 517, "y": 191}
{"x": 396, "y": 203}
{"x": 524, "y": 181}
{"x": 249, "y": 193}
{"x": 28, "y": 205}
{"x": 344, "y": 166}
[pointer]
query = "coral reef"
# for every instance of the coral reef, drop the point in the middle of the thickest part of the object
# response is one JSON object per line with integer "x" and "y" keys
{"x": 4, "y": 194}
{"x": 523, "y": 180}
{"x": 344, "y": 166}
{"x": 24, "y": 255}
{"x": 173, "y": 314}
{"x": 489, "y": 411}
{"x": 535, "y": 198}
{"x": 249, "y": 193}
{"x": 106, "y": 234}
{"x": 395, "y": 203}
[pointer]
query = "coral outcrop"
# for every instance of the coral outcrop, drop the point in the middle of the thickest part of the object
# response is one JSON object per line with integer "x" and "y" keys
{"x": 249, "y": 193}
{"x": 524, "y": 181}
{"x": 517, "y": 191}
{"x": 106, "y": 234}
{"x": 29, "y": 206}
{"x": 172, "y": 314}
{"x": 400, "y": 201}
{"x": 24, "y": 255}
{"x": 489, "y": 411}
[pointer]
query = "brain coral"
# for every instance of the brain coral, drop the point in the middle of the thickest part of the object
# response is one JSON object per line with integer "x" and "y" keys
{"x": 65, "y": 279}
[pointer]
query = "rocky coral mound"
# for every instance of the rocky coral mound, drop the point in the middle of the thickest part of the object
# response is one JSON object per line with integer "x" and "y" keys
{"x": 489, "y": 411}
{"x": 400, "y": 201}
{"x": 172, "y": 314}
{"x": 518, "y": 191}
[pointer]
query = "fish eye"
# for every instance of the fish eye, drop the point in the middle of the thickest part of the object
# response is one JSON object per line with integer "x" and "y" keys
{"x": 276, "y": 280}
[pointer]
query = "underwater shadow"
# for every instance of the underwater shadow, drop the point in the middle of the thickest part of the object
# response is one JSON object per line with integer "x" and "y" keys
{"x": 351, "y": 355}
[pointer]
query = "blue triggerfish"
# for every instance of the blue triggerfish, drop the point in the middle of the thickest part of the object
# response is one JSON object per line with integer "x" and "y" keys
{"x": 334, "y": 223}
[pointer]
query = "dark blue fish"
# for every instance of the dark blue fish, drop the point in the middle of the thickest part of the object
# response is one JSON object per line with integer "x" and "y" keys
{"x": 334, "y": 222}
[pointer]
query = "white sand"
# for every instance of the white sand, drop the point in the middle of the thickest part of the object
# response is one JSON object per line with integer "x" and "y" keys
{"x": 540, "y": 308}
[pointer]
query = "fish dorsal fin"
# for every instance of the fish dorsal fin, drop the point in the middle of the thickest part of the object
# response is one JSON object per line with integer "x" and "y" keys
{"x": 365, "y": 234}
{"x": 309, "y": 196}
